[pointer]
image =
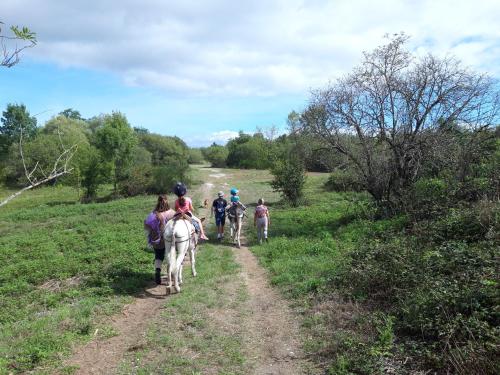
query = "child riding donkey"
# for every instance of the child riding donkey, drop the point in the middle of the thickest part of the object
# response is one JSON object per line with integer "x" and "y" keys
{"x": 235, "y": 213}
{"x": 184, "y": 205}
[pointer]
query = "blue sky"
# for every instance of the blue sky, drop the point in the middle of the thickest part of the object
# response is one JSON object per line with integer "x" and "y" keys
{"x": 47, "y": 89}
{"x": 205, "y": 70}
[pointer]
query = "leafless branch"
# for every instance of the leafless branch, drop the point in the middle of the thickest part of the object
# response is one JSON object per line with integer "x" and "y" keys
{"x": 60, "y": 167}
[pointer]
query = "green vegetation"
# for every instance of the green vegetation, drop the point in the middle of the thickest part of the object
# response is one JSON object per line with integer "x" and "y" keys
{"x": 100, "y": 150}
{"x": 64, "y": 266}
{"x": 393, "y": 292}
{"x": 289, "y": 179}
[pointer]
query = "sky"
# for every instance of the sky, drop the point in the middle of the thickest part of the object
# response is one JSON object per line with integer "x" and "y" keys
{"x": 204, "y": 70}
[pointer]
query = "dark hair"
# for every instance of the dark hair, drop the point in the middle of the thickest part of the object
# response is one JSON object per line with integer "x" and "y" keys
{"x": 162, "y": 204}
{"x": 261, "y": 201}
{"x": 182, "y": 200}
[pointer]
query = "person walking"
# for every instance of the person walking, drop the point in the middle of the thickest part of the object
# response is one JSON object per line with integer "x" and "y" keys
{"x": 261, "y": 220}
{"x": 154, "y": 226}
{"x": 219, "y": 210}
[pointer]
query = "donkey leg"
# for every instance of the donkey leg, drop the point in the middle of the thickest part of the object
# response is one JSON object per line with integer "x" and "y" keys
{"x": 176, "y": 281}
{"x": 239, "y": 233}
{"x": 169, "y": 272}
{"x": 180, "y": 275}
{"x": 193, "y": 261}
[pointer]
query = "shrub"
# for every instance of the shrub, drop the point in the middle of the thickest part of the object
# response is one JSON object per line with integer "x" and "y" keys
{"x": 216, "y": 155}
{"x": 195, "y": 156}
{"x": 289, "y": 179}
{"x": 343, "y": 180}
{"x": 139, "y": 181}
{"x": 427, "y": 198}
{"x": 441, "y": 289}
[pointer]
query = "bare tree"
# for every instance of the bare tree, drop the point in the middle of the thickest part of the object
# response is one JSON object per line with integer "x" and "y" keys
{"x": 384, "y": 115}
{"x": 12, "y": 46}
{"x": 36, "y": 175}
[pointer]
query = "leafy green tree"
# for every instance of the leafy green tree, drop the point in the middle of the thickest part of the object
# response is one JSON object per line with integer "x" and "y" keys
{"x": 216, "y": 155}
{"x": 247, "y": 151}
{"x": 162, "y": 148}
{"x": 15, "y": 119}
{"x": 93, "y": 171}
{"x": 58, "y": 134}
{"x": 71, "y": 113}
{"x": 195, "y": 156}
{"x": 116, "y": 140}
{"x": 289, "y": 179}
{"x": 140, "y": 130}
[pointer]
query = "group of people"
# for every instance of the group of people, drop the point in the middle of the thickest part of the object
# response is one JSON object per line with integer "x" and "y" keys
{"x": 162, "y": 213}
{"x": 262, "y": 219}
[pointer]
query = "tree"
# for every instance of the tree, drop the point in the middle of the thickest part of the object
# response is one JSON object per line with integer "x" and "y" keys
{"x": 116, "y": 139}
{"x": 15, "y": 119}
{"x": 289, "y": 179}
{"x": 247, "y": 151}
{"x": 216, "y": 155}
{"x": 10, "y": 44}
{"x": 71, "y": 113}
{"x": 384, "y": 116}
{"x": 41, "y": 164}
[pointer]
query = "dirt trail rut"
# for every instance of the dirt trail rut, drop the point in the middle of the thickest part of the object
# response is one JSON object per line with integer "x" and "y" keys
{"x": 271, "y": 330}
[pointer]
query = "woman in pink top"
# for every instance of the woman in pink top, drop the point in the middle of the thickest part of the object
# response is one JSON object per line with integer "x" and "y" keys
{"x": 262, "y": 220}
{"x": 185, "y": 205}
{"x": 154, "y": 226}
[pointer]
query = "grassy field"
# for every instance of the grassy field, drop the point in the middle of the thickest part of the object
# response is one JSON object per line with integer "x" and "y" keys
{"x": 362, "y": 285}
{"x": 65, "y": 267}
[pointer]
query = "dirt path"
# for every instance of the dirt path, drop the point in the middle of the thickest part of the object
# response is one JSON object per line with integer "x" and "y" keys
{"x": 269, "y": 329}
{"x": 103, "y": 356}
{"x": 272, "y": 332}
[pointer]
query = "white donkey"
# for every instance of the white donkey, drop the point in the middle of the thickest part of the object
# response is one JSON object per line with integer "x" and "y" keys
{"x": 235, "y": 214}
{"x": 180, "y": 237}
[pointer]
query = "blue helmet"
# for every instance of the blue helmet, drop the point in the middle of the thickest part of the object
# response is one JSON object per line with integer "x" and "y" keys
{"x": 180, "y": 189}
{"x": 234, "y": 191}
{"x": 235, "y": 199}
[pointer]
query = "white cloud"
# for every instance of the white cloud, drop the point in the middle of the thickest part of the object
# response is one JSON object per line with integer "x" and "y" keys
{"x": 223, "y": 136}
{"x": 205, "y": 140}
{"x": 258, "y": 47}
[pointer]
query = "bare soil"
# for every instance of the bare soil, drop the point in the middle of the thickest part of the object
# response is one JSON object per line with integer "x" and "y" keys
{"x": 271, "y": 330}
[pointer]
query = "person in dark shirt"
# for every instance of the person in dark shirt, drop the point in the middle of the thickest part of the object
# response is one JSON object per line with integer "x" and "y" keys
{"x": 219, "y": 210}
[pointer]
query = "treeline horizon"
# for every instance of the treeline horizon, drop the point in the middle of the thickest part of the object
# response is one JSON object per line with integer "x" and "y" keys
{"x": 108, "y": 150}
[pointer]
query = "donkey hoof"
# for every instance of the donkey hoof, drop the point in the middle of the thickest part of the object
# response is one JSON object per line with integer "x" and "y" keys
{"x": 194, "y": 274}
{"x": 178, "y": 288}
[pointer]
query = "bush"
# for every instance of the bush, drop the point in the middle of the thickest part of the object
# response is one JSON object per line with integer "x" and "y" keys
{"x": 139, "y": 181}
{"x": 289, "y": 179}
{"x": 195, "y": 156}
{"x": 428, "y": 197}
{"x": 216, "y": 155}
{"x": 440, "y": 285}
{"x": 343, "y": 180}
